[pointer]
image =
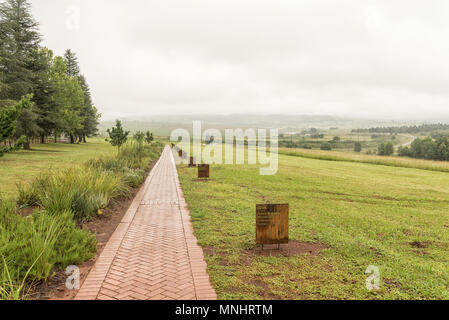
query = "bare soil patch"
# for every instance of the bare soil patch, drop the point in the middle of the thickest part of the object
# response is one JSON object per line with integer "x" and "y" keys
{"x": 293, "y": 248}
{"x": 25, "y": 212}
{"x": 419, "y": 244}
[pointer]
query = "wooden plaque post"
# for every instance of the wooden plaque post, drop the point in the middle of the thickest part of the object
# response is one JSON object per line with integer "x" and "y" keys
{"x": 272, "y": 221}
{"x": 203, "y": 171}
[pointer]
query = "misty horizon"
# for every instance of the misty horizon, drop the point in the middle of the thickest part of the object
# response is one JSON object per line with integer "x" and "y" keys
{"x": 145, "y": 117}
{"x": 381, "y": 60}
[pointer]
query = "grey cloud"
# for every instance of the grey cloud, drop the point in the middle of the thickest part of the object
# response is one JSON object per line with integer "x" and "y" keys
{"x": 348, "y": 57}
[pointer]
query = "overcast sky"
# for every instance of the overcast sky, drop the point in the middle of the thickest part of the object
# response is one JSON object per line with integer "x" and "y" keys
{"x": 342, "y": 57}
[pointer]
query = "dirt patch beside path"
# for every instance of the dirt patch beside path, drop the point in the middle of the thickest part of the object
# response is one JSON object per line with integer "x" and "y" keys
{"x": 293, "y": 248}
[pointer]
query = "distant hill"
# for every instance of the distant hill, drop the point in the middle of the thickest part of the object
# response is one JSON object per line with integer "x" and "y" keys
{"x": 163, "y": 125}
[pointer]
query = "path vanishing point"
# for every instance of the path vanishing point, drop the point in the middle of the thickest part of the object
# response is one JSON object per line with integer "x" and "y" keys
{"x": 153, "y": 254}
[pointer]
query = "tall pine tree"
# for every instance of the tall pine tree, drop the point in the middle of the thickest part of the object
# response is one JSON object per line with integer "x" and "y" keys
{"x": 19, "y": 43}
{"x": 89, "y": 113}
{"x": 71, "y": 60}
{"x": 47, "y": 110}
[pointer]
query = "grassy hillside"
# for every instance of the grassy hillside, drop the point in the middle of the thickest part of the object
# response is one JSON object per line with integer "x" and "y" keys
{"x": 361, "y": 214}
{"x": 22, "y": 166}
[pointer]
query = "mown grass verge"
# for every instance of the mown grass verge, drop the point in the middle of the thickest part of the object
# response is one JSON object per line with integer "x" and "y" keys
{"x": 359, "y": 214}
{"x": 32, "y": 246}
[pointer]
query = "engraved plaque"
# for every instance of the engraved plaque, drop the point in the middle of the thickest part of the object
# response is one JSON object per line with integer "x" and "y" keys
{"x": 272, "y": 223}
{"x": 203, "y": 171}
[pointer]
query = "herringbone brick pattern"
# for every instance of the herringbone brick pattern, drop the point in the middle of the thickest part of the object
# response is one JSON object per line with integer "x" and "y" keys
{"x": 153, "y": 254}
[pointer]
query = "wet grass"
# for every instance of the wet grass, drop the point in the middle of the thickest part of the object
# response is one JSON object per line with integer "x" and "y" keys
{"x": 23, "y": 166}
{"x": 394, "y": 218}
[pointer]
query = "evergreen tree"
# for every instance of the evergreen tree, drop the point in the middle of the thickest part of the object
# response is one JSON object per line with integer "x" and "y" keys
{"x": 49, "y": 119}
{"x": 52, "y": 95}
{"x": 19, "y": 43}
{"x": 71, "y": 60}
{"x": 149, "y": 137}
{"x": 385, "y": 149}
{"x": 27, "y": 121}
{"x": 117, "y": 135}
{"x": 8, "y": 121}
{"x": 89, "y": 113}
{"x": 139, "y": 136}
{"x": 69, "y": 99}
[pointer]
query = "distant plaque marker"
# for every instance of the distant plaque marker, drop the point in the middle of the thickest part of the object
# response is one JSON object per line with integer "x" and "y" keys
{"x": 272, "y": 224}
{"x": 180, "y": 152}
{"x": 203, "y": 171}
{"x": 192, "y": 162}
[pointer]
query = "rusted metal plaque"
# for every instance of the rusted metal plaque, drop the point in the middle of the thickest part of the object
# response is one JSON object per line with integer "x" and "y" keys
{"x": 203, "y": 171}
{"x": 272, "y": 223}
{"x": 192, "y": 162}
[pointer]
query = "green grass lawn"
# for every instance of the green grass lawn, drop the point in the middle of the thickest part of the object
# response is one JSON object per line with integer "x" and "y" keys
{"x": 363, "y": 214}
{"x": 22, "y": 166}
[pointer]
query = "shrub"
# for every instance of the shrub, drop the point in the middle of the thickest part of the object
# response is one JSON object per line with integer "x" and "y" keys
{"x": 29, "y": 196}
{"x": 326, "y": 146}
{"x": 385, "y": 149}
{"x": 82, "y": 191}
{"x": 30, "y": 247}
{"x": 307, "y": 146}
{"x": 130, "y": 162}
{"x": 133, "y": 178}
{"x": 139, "y": 136}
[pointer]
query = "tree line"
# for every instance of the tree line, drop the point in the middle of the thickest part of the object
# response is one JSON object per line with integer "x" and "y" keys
{"x": 405, "y": 129}
{"x": 41, "y": 95}
{"x": 428, "y": 148}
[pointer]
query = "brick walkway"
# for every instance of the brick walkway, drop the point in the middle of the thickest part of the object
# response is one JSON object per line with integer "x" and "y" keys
{"x": 153, "y": 254}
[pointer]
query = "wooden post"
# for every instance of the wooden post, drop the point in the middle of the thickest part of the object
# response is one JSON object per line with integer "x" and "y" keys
{"x": 192, "y": 162}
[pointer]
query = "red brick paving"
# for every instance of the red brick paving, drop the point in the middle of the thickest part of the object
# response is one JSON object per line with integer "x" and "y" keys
{"x": 153, "y": 254}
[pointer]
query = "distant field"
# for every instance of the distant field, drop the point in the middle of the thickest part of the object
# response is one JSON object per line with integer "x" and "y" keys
{"x": 23, "y": 165}
{"x": 361, "y": 214}
{"x": 393, "y": 161}
{"x": 347, "y": 140}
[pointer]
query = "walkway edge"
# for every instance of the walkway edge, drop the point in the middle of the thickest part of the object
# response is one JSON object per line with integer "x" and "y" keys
{"x": 98, "y": 273}
{"x": 202, "y": 285}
